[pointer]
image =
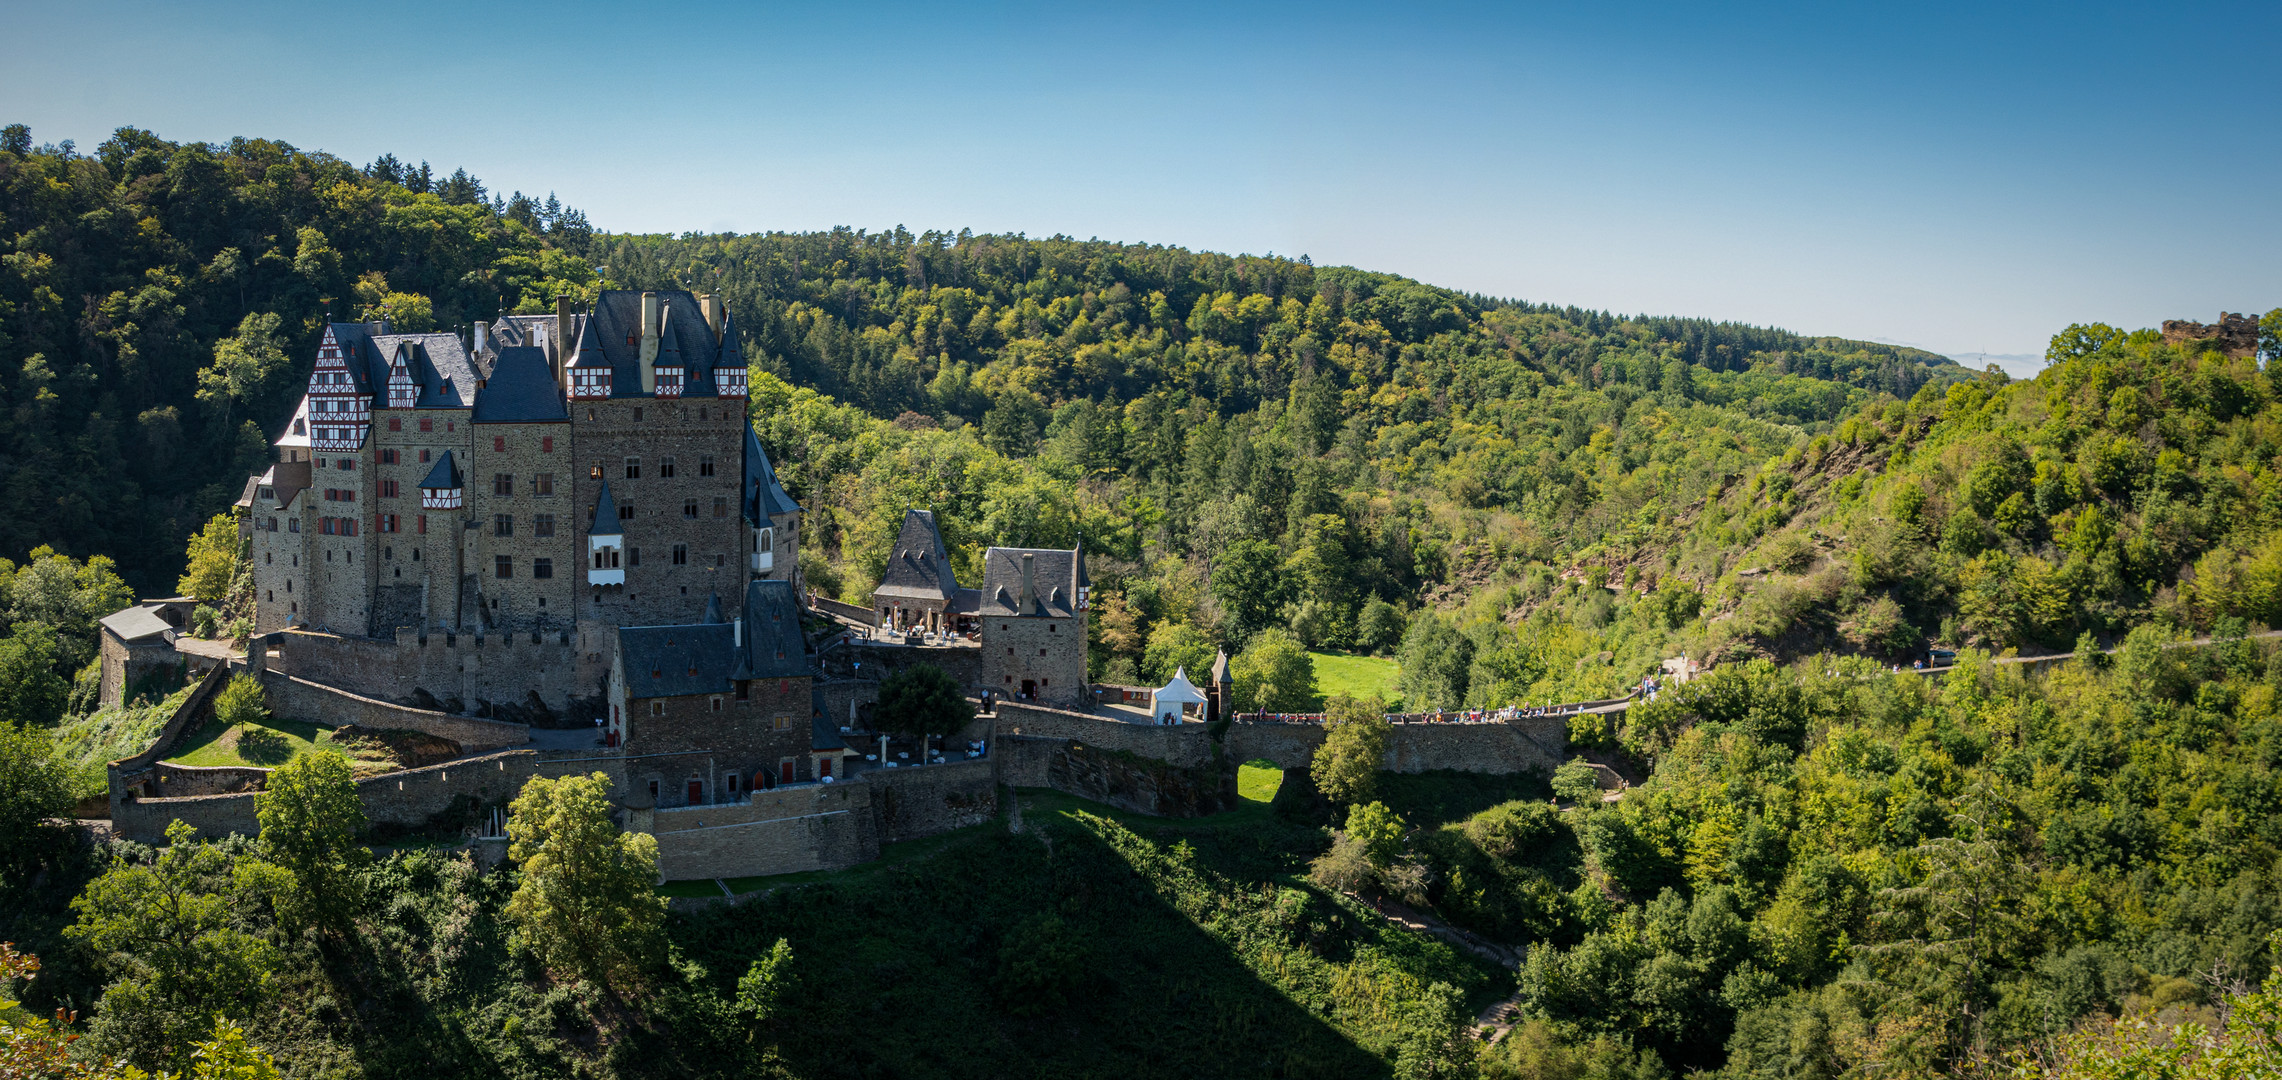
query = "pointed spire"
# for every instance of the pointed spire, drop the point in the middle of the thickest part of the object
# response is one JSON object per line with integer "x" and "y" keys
{"x": 669, "y": 343}
{"x": 732, "y": 348}
{"x": 605, "y": 515}
{"x": 712, "y": 609}
{"x": 588, "y": 353}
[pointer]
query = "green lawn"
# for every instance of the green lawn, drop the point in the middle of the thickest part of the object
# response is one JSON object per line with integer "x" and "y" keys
{"x": 273, "y": 742}
{"x": 1361, "y": 676}
{"x": 1257, "y": 781}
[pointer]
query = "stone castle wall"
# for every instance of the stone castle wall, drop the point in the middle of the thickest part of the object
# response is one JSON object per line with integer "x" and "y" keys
{"x": 1186, "y": 745}
{"x": 176, "y": 781}
{"x": 499, "y": 672}
{"x": 872, "y": 661}
{"x": 1138, "y": 784}
{"x": 911, "y": 803}
{"x": 301, "y": 699}
{"x": 1536, "y": 744}
{"x": 778, "y": 831}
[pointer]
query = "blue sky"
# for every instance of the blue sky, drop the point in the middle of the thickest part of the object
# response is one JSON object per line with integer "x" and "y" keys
{"x": 1964, "y": 178}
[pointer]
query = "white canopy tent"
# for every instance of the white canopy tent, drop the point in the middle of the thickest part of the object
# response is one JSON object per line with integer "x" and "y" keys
{"x": 1170, "y": 702}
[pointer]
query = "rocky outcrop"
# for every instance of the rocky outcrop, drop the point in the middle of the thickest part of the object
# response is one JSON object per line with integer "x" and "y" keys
{"x": 2236, "y": 335}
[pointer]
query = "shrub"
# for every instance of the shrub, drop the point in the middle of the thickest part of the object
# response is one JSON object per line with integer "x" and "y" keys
{"x": 1578, "y": 782}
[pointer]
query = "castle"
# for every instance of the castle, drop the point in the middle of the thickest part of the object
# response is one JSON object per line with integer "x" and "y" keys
{"x": 557, "y": 476}
{"x": 452, "y": 541}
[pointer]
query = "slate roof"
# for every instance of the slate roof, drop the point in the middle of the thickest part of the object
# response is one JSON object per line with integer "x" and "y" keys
{"x": 605, "y": 515}
{"x": 444, "y": 476}
{"x": 822, "y": 735}
{"x": 706, "y": 657}
{"x": 775, "y": 647}
{"x": 1220, "y": 667}
{"x": 617, "y": 326}
{"x": 764, "y": 497}
{"x": 587, "y": 353}
{"x": 439, "y": 363}
{"x": 135, "y": 623}
{"x": 521, "y": 390}
{"x": 673, "y": 661}
{"x": 1056, "y": 573}
{"x": 917, "y": 566}
{"x": 712, "y": 609}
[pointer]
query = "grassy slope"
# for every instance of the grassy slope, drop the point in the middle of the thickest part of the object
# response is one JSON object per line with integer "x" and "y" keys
{"x": 1361, "y": 676}
{"x": 219, "y": 745}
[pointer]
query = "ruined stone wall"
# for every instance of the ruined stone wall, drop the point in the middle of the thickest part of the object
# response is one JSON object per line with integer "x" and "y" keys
{"x": 301, "y": 699}
{"x": 499, "y": 672}
{"x": 914, "y": 802}
{"x": 784, "y": 831}
{"x": 1185, "y": 744}
{"x": 179, "y": 781}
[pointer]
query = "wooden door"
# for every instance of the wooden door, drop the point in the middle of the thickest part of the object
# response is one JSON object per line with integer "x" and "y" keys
{"x": 696, "y": 791}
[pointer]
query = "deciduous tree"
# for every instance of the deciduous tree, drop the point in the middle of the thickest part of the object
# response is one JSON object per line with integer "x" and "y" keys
{"x": 585, "y": 903}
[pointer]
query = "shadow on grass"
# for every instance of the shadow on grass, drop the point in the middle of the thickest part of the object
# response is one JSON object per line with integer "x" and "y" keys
{"x": 269, "y": 743}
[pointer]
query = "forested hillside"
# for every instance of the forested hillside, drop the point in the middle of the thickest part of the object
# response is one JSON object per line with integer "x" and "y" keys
{"x": 1824, "y": 867}
{"x": 159, "y": 305}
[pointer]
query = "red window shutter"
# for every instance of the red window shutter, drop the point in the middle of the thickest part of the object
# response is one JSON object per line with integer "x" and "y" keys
{"x": 499, "y": 443}
{"x": 547, "y": 444}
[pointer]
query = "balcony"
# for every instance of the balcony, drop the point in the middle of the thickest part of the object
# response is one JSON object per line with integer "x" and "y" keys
{"x": 764, "y": 561}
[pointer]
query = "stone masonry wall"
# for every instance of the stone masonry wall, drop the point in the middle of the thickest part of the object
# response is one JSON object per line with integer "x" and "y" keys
{"x": 782, "y": 831}
{"x": 1535, "y": 744}
{"x": 1049, "y": 652}
{"x": 178, "y": 781}
{"x": 1139, "y": 784}
{"x": 477, "y": 669}
{"x": 911, "y": 803}
{"x": 533, "y": 532}
{"x": 1185, "y": 744}
{"x": 873, "y": 661}
{"x": 301, "y": 699}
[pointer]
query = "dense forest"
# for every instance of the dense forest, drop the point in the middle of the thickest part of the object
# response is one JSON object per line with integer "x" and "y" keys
{"x": 1825, "y": 866}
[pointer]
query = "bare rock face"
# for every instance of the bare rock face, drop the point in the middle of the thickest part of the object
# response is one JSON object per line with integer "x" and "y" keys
{"x": 2237, "y": 335}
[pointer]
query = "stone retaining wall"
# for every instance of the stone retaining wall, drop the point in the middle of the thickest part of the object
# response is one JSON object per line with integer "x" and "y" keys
{"x": 777, "y": 831}
{"x": 1185, "y": 745}
{"x": 303, "y": 699}
{"x": 1533, "y": 744}
{"x": 178, "y": 781}
{"x": 911, "y": 803}
{"x": 1138, "y": 784}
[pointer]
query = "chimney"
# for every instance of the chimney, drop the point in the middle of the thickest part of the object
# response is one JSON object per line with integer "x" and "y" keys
{"x": 710, "y": 303}
{"x": 482, "y": 337}
{"x": 564, "y": 339}
{"x": 652, "y": 311}
{"x": 1029, "y": 587}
